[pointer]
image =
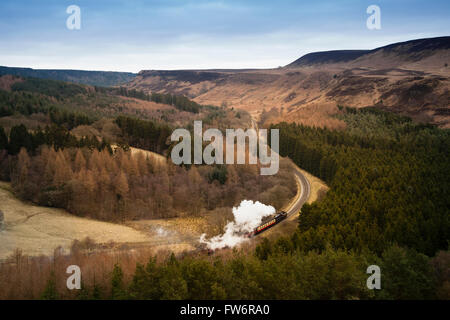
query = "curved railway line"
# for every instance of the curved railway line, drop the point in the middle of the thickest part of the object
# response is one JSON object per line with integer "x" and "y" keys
{"x": 304, "y": 193}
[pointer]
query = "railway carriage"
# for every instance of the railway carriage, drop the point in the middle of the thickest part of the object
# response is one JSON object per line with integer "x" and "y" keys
{"x": 268, "y": 224}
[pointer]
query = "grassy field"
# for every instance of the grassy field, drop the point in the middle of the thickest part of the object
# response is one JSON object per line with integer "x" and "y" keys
{"x": 39, "y": 230}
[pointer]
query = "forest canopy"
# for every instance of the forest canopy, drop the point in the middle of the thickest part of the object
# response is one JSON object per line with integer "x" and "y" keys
{"x": 388, "y": 182}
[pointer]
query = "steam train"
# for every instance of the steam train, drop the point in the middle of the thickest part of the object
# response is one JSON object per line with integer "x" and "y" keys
{"x": 268, "y": 224}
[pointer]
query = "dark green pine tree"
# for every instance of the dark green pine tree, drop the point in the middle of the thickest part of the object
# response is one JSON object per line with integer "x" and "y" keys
{"x": 19, "y": 137}
{"x": 117, "y": 285}
{"x": 3, "y": 139}
{"x": 50, "y": 291}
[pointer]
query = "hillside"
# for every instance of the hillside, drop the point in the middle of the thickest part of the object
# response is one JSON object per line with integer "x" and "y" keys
{"x": 334, "y": 56}
{"x": 47, "y": 101}
{"x": 401, "y": 54}
{"x": 411, "y": 78}
{"x": 95, "y": 78}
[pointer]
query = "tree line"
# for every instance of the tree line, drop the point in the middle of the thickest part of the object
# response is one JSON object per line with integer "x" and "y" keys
{"x": 180, "y": 102}
{"x": 269, "y": 272}
{"x": 145, "y": 134}
{"x": 52, "y": 88}
{"x": 56, "y": 136}
{"x": 27, "y": 103}
{"x": 120, "y": 186}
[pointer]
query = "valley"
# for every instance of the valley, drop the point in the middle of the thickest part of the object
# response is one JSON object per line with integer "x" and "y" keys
{"x": 409, "y": 78}
{"x": 87, "y": 178}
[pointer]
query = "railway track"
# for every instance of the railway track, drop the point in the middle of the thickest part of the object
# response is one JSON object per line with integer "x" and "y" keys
{"x": 304, "y": 194}
{"x": 304, "y": 183}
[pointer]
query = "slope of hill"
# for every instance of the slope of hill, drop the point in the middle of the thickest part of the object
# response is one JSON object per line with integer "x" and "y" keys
{"x": 334, "y": 56}
{"x": 410, "y": 78}
{"x": 95, "y": 78}
{"x": 393, "y": 55}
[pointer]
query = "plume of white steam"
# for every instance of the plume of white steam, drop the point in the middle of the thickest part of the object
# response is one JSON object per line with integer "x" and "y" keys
{"x": 247, "y": 217}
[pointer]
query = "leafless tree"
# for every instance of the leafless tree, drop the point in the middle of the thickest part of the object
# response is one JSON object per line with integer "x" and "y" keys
{"x": 2, "y": 218}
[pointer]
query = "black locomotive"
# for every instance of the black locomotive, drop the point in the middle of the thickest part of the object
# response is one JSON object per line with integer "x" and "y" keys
{"x": 269, "y": 224}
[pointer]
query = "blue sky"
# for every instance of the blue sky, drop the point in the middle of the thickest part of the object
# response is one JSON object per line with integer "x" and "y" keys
{"x": 132, "y": 35}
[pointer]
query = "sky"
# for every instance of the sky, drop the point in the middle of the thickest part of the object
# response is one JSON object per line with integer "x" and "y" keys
{"x": 134, "y": 35}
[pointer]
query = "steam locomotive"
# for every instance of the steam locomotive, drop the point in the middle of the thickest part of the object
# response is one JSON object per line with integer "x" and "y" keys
{"x": 268, "y": 224}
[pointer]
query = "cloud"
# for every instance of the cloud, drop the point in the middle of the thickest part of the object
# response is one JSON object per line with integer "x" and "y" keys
{"x": 167, "y": 34}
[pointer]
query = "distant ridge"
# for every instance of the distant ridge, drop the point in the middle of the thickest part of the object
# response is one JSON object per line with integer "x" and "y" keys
{"x": 94, "y": 78}
{"x": 412, "y": 50}
{"x": 334, "y": 56}
{"x": 413, "y": 46}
